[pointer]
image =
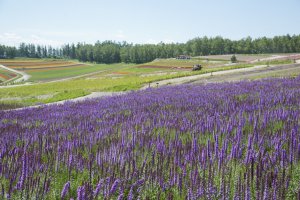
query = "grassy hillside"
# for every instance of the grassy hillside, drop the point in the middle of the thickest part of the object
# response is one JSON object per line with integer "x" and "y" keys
{"x": 114, "y": 80}
{"x": 100, "y": 77}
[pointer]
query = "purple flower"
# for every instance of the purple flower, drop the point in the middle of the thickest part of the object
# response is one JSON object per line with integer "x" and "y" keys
{"x": 114, "y": 186}
{"x": 266, "y": 192}
{"x": 177, "y": 138}
{"x": 65, "y": 190}
{"x": 98, "y": 188}
{"x": 247, "y": 195}
{"x": 139, "y": 183}
{"x": 23, "y": 176}
{"x": 120, "y": 197}
{"x": 130, "y": 194}
{"x": 190, "y": 195}
{"x": 81, "y": 193}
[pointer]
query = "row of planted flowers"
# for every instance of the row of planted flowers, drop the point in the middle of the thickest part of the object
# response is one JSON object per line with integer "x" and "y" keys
{"x": 230, "y": 140}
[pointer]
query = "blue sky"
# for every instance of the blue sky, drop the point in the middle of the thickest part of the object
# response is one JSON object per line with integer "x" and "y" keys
{"x": 57, "y": 22}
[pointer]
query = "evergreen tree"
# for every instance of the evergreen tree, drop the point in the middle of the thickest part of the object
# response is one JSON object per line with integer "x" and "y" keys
{"x": 233, "y": 59}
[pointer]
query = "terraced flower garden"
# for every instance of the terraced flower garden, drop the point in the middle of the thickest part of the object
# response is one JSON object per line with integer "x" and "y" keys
{"x": 6, "y": 75}
{"x": 36, "y": 64}
{"x": 216, "y": 141}
{"x": 49, "y": 70}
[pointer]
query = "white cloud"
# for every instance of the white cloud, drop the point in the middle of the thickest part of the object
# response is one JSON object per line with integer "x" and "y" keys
{"x": 153, "y": 41}
{"x": 57, "y": 39}
{"x": 168, "y": 41}
{"x": 60, "y": 34}
{"x": 120, "y": 35}
{"x": 13, "y": 39}
{"x": 10, "y": 39}
{"x": 10, "y": 36}
{"x": 35, "y": 39}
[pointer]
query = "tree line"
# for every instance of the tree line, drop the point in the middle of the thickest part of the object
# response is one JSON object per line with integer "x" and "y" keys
{"x": 39, "y": 51}
{"x": 114, "y": 52}
{"x": 30, "y": 51}
{"x": 7, "y": 51}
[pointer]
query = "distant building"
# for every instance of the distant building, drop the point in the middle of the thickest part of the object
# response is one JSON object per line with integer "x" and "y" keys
{"x": 183, "y": 57}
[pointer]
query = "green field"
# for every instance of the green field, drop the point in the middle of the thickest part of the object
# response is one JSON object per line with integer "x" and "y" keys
{"x": 106, "y": 81}
{"x": 61, "y": 73}
{"x": 50, "y": 73}
{"x": 186, "y": 63}
{"x": 275, "y": 62}
{"x": 104, "y": 77}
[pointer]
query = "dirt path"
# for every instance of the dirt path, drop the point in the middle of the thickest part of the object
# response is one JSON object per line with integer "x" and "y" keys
{"x": 78, "y": 99}
{"x": 186, "y": 79}
{"x": 54, "y": 81}
{"x": 24, "y": 76}
{"x": 278, "y": 57}
{"x": 281, "y": 70}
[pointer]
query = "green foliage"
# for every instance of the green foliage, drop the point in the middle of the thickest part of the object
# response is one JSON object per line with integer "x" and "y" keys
{"x": 113, "y": 52}
{"x": 233, "y": 59}
{"x": 294, "y": 183}
{"x": 7, "y": 52}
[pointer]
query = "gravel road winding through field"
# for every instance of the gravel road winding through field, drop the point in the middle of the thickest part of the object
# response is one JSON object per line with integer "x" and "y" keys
{"x": 221, "y": 76}
{"x": 261, "y": 72}
{"x": 54, "y": 81}
{"x": 277, "y": 57}
{"x": 228, "y": 75}
{"x": 186, "y": 79}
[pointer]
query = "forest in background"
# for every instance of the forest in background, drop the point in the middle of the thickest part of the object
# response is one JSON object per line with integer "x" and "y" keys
{"x": 115, "y": 52}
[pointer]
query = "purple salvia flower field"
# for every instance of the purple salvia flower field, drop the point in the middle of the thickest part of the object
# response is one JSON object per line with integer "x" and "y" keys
{"x": 217, "y": 141}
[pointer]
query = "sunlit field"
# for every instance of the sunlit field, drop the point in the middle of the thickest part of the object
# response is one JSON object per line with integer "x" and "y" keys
{"x": 93, "y": 78}
{"x": 230, "y": 140}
